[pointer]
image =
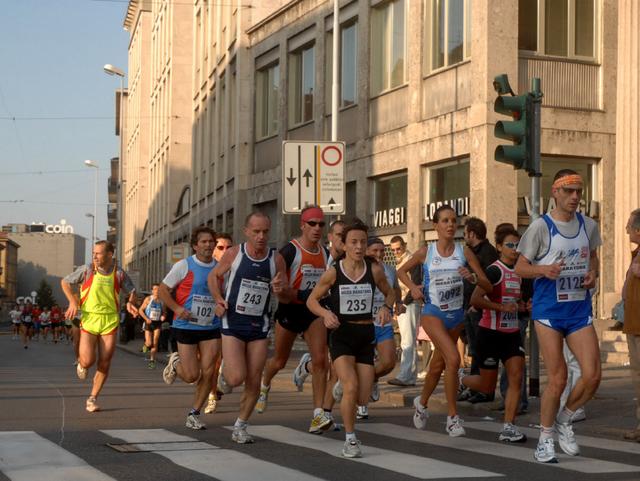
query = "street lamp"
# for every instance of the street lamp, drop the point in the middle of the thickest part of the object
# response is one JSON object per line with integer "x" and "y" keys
{"x": 91, "y": 163}
{"x": 93, "y": 223}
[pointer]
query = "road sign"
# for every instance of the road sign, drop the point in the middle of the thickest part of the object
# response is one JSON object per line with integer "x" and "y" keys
{"x": 313, "y": 173}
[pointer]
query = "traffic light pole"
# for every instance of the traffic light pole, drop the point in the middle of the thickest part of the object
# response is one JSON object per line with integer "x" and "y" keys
{"x": 535, "y": 98}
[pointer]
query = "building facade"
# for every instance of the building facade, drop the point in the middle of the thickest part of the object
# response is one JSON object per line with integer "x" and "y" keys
{"x": 415, "y": 111}
{"x": 8, "y": 270}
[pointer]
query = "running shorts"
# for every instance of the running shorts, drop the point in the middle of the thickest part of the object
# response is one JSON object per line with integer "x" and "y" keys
{"x": 351, "y": 339}
{"x": 495, "y": 346}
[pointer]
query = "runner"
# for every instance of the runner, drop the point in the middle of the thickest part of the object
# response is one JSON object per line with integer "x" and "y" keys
{"x": 100, "y": 284}
{"x": 223, "y": 242}
{"x": 384, "y": 341}
{"x": 248, "y": 270}
{"x": 442, "y": 318}
{"x": 351, "y": 284}
{"x": 56, "y": 323}
{"x": 26, "y": 328}
{"x": 559, "y": 251}
{"x": 498, "y": 336}
{"x": 35, "y": 318}
{"x": 16, "y": 315}
{"x": 306, "y": 261}
{"x": 45, "y": 322}
{"x": 195, "y": 326}
{"x": 152, "y": 312}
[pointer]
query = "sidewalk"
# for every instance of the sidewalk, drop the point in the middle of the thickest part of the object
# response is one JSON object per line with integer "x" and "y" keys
{"x": 609, "y": 414}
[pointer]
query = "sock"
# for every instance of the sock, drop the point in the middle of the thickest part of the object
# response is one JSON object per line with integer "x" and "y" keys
{"x": 328, "y": 411}
{"x": 546, "y": 433}
{"x": 317, "y": 412}
{"x": 507, "y": 425}
{"x": 351, "y": 437}
{"x": 264, "y": 387}
{"x": 240, "y": 423}
{"x": 564, "y": 416}
{"x": 194, "y": 411}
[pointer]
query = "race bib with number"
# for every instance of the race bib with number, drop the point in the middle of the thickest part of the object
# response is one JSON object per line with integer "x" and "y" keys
{"x": 310, "y": 277}
{"x": 449, "y": 290}
{"x": 569, "y": 284}
{"x": 202, "y": 310}
{"x": 355, "y": 299}
{"x": 154, "y": 313}
{"x": 252, "y": 297}
{"x": 378, "y": 302}
{"x": 509, "y": 320}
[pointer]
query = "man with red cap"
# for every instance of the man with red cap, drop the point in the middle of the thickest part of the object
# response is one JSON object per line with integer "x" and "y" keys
{"x": 306, "y": 261}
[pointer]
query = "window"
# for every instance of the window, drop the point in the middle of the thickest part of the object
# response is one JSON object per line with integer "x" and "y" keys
{"x": 448, "y": 36}
{"x": 387, "y": 46}
{"x": 348, "y": 86}
{"x": 301, "y": 85}
{"x": 390, "y": 200}
{"x": 267, "y": 93}
{"x": 563, "y": 28}
{"x": 447, "y": 183}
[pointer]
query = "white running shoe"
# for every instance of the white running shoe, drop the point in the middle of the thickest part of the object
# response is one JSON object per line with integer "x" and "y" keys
{"x": 352, "y": 449}
{"x": 263, "y": 399}
{"x": 420, "y": 415}
{"x": 223, "y": 387}
{"x": 454, "y": 427}
{"x": 545, "y": 451}
{"x": 212, "y": 404}
{"x": 193, "y": 422}
{"x": 566, "y": 439}
{"x": 337, "y": 391}
{"x": 300, "y": 373}
{"x": 92, "y": 405}
{"x": 169, "y": 373}
{"x": 81, "y": 372}
{"x": 321, "y": 423}
{"x": 375, "y": 393}
{"x": 511, "y": 434}
{"x": 578, "y": 415}
{"x": 241, "y": 436}
{"x": 362, "y": 412}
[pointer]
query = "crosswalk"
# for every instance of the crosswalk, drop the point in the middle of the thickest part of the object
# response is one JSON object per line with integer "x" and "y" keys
{"x": 391, "y": 451}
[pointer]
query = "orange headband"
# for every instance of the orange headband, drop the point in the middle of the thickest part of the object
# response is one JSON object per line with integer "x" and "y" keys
{"x": 571, "y": 179}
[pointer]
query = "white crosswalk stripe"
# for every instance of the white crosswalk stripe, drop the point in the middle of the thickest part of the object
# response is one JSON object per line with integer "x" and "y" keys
{"x": 417, "y": 466}
{"x": 520, "y": 453}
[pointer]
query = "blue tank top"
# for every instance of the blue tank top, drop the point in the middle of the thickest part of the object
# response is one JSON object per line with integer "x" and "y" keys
{"x": 564, "y": 297}
{"x": 443, "y": 284}
{"x": 154, "y": 310}
{"x": 193, "y": 294}
{"x": 248, "y": 292}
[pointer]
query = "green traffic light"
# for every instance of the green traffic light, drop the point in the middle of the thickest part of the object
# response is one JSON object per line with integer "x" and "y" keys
{"x": 514, "y": 130}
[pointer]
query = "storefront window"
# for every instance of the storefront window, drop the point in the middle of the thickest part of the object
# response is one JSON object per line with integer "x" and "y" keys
{"x": 447, "y": 183}
{"x": 390, "y": 201}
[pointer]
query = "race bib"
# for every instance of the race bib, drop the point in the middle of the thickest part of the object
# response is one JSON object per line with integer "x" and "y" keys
{"x": 310, "y": 277}
{"x": 202, "y": 310}
{"x": 355, "y": 299}
{"x": 449, "y": 291}
{"x": 509, "y": 320}
{"x": 154, "y": 313}
{"x": 378, "y": 302}
{"x": 252, "y": 297}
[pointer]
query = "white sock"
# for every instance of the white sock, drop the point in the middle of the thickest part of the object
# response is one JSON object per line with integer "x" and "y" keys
{"x": 240, "y": 423}
{"x": 564, "y": 416}
{"x": 317, "y": 412}
{"x": 263, "y": 387}
{"x": 546, "y": 433}
{"x": 351, "y": 437}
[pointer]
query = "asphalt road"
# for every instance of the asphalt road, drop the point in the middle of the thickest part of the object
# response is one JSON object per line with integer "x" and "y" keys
{"x": 45, "y": 434}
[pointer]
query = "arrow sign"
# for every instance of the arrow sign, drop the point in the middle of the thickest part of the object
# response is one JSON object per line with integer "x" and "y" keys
{"x": 291, "y": 178}
{"x": 331, "y": 201}
{"x": 307, "y": 175}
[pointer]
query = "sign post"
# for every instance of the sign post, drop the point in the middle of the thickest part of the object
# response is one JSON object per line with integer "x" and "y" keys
{"x": 313, "y": 173}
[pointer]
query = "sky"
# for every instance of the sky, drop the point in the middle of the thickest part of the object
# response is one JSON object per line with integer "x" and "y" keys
{"x": 57, "y": 108}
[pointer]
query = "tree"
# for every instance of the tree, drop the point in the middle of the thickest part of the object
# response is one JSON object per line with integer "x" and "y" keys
{"x": 45, "y": 295}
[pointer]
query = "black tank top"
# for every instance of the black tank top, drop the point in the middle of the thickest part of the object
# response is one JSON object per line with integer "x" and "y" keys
{"x": 353, "y": 300}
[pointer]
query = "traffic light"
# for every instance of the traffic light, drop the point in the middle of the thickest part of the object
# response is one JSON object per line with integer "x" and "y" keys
{"x": 517, "y": 130}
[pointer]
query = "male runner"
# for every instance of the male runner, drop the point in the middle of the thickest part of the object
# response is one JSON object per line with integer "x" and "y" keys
{"x": 250, "y": 272}
{"x": 15, "y": 314}
{"x": 152, "y": 312}
{"x": 100, "y": 285}
{"x": 195, "y": 326}
{"x": 306, "y": 261}
{"x": 559, "y": 251}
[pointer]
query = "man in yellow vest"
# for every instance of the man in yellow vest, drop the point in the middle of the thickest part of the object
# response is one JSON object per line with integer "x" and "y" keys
{"x": 100, "y": 284}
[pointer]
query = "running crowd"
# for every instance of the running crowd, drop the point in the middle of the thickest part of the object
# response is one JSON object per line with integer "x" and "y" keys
{"x": 30, "y": 322}
{"x": 341, "y": 300}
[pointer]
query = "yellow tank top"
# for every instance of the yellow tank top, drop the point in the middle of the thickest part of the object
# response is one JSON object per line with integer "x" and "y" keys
{"x": 100, "y": 294}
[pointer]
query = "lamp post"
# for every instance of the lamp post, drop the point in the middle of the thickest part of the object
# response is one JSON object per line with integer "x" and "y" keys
{"x": 93, "y": 223}
{"x": 91, "y": 163}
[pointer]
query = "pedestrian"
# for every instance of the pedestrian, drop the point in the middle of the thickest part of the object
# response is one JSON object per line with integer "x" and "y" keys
{"x": 631, "y": 296}
{"x": 559, "y": 251}
{"x": 195, "y": 325}
{"x": 152, "y": 312}
{"x": 407, "y": 322}
{"x": 445, "y": 266}
{"x": 100, "y": 285}
{"x": 250, "y": 272}
{"x": 351, "y": 285}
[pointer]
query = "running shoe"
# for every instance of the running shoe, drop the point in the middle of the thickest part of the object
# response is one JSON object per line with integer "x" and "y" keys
{"x": 151, "y": 364}
{"x": 578, "y": 415}
{"x": 212, "y": 404}
{"x": 375, "y": 393}
{"x": 545, "y": 451}
{"x": 352, "y": 449}
{"x": 223, "y": 387}
{"x": 92, "y": 405}
{"x": 320, "y": 423}
{"x": 145, "y": 349}
{"x": 193, "y": 422}
{"x": 362, "y": 413}
{"x": 464, "y": 395}
{"x": 337, "y": 391}
{"x": 420, "y": 415}
{"x": 263, "y": 399}
{"x": 169, "y": 373}
{"x": 300, "y": 373}
{"x": 566, "y": 439}
{"x": 81, "y": 372}
{"x": 454, "y": 427}
{"x": 511, "y": 434}
{"x": 241, "y": 436}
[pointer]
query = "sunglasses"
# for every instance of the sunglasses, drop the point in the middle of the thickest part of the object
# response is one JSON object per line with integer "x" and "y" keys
{"x": 569, "y": 190}
{"x": 511, "y": 245}
{"x": 313, "y": 223}
{"x": 223, "y": 248}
